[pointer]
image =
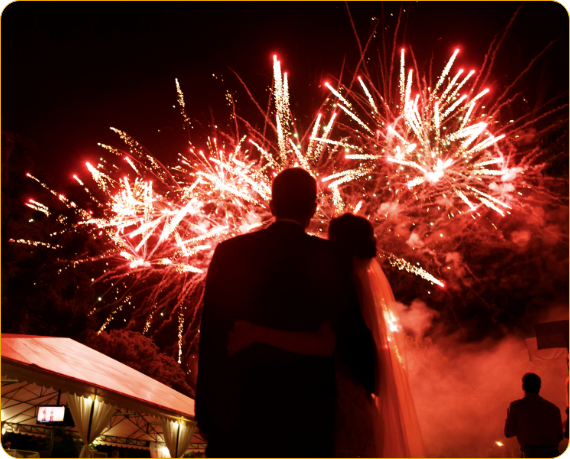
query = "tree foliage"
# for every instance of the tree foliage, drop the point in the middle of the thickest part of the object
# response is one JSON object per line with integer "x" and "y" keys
{"x": 41, "y": 294}
{"x": 139, "y": 352}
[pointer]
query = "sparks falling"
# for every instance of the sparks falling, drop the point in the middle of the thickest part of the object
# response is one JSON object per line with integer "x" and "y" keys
{"x": 435, "y": 146}
{"x": 161, "y": 224}
{"x": 418, "y": 165}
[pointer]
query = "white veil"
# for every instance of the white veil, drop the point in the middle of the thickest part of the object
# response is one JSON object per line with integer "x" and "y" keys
{"x": 397, "y": 431}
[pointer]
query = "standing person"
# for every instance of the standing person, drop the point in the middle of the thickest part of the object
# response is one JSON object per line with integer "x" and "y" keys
{"x": 535, "y": 421}
{"x": 385, "y": 423}
{"x": 264, "y": 401}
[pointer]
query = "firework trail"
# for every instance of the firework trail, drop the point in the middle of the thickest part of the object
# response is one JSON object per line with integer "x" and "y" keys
{"x": 159, "y": 225}
{"x": 426, "y": 150}
{"x": 433, "y": 144}
{"x": 431, "y": 164}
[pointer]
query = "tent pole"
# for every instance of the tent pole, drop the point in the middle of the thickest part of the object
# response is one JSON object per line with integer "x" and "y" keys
{"x": 89, "y": 426}
{"x": 177, "y": 437}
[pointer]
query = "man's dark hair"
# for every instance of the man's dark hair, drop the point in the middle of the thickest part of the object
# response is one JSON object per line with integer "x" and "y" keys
{"x": 294, "y": 193}
{"x": 531, "y": 383}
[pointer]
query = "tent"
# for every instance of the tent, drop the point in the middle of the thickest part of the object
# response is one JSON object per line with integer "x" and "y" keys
{"x": 109, "y": 401}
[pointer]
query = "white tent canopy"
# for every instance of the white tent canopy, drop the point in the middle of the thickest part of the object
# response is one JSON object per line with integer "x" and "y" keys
{"x": 40, "y": 370}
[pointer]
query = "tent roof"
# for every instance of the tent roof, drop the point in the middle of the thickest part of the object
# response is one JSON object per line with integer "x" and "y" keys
{"x": 66, "y": 365}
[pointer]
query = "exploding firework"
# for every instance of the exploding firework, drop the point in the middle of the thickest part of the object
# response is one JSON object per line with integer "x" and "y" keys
{"x": 431, "y": 165}
{"x": 433, "y": 147}
{"x": 433, "y": 150}
{"x": 160, "y": 224}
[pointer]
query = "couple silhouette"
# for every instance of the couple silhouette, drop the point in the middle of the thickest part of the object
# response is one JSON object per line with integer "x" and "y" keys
{"x": 300, "y": 350}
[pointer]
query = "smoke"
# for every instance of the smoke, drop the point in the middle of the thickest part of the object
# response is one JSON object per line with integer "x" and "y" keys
{"x": 389, "y": 210}
{"x": 510, "y": 174}
{"x": 462, "y": 391}
{"x": 415, "y": 241}
{"x": 527, "y": 136}
{"x": 503, "y": 189}
{"x": 521, "y": 237}
{"x": 417, "y": 318}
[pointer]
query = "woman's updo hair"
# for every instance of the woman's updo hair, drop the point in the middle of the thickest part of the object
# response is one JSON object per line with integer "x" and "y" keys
{"x": 354, "y": 234}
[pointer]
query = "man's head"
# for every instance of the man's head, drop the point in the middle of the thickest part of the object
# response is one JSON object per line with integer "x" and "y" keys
{"x": 294, "y": 195}
{"x": 531, "y": 383}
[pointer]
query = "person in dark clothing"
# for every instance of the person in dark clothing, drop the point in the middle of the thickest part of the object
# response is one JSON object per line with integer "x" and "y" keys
{"x": 535, "y": 421}
{"x": 264, "y": 401}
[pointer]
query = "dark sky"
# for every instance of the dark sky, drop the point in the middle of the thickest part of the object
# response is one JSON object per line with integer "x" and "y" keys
{"x": 71, "y": 70}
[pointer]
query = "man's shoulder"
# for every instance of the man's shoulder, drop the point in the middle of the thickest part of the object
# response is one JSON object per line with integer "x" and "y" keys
{"x": 328, "y": 250}
{"x": 325, "y": 244}
{"x": 520, "y": 401}
{"x": 548, "y": 404}
{"x": 246, "y": 245}
{"x": 240, "y": 241}
{"x": 534, "y": 402}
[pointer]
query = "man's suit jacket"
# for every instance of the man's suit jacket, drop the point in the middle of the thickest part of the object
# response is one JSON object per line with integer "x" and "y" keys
{"x": 281, "y": 278}
{"x": 534, "y": 421}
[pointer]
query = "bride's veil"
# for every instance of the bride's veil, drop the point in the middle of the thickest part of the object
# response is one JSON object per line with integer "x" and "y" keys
{"x": 397, "y": 431}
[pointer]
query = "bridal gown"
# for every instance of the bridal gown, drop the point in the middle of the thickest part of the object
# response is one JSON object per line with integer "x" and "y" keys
{"x": 384, "y": 424}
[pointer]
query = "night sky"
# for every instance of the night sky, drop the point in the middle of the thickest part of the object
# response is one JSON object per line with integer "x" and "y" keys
{"x": 72, "y": 70}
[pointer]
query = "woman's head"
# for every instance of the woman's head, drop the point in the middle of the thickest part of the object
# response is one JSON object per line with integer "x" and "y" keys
{"x": 354, "y": 234}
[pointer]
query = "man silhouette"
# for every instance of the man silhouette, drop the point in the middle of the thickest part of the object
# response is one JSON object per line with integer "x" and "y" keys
{"x": 263, "y": 401}
{"x": 535, "y": 421}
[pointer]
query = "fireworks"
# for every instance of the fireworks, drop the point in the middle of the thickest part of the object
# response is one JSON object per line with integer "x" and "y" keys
{"x": 159, "y": 225}
{"x": 433, "y": 145}
{"x": 427, "y": 150}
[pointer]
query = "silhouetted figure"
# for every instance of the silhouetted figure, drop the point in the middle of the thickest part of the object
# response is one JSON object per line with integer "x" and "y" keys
{"x": 383, "y": 425}
{"x": 264, "y": 401}
{"x": 535, "y": 421}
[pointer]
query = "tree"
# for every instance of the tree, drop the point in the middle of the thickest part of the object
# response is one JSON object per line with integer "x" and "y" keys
{"x": 139, "y": 352}
{"x": 41, "y": 293}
